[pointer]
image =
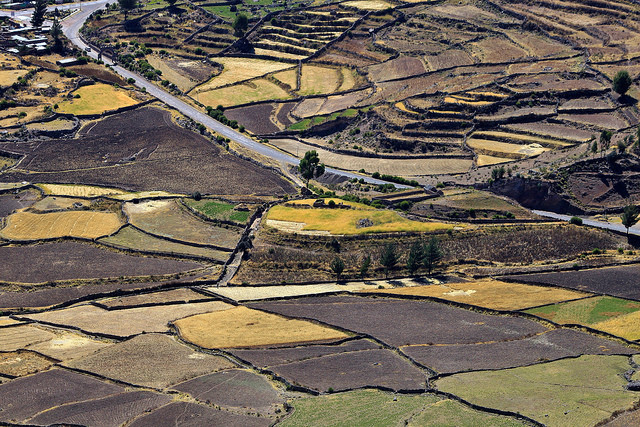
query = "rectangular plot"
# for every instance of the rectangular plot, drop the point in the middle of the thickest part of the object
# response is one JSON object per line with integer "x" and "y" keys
{"x": 617, "y": 281}
{"x": 191, "y": 415}
{"x": 345, "y": 371}
{"x": 20, "y": 363}
{"x": 83, "y": 224}
{"x": 127, "y": 322}
{"x": 25, "y": 397}
{"x": 402, "y": 322}
{"x": 556, "y": 344}
{"x": 18, "y": 337}
{"x": 153, "y": 298}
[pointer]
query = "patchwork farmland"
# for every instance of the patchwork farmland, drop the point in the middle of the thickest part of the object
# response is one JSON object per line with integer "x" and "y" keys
{"x": 160, "y": 269}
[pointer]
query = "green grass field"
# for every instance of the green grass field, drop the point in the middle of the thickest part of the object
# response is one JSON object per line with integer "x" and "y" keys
{"x": 569, "y": 392}
{"x": 616, "y": 316}
{"x": 373, "y": 408}
{"x": 218, "y": 210}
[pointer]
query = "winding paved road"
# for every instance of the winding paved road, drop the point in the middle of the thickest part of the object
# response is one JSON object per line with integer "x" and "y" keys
{"x": 635, "y": 230}
{"x": 71, "y": 27}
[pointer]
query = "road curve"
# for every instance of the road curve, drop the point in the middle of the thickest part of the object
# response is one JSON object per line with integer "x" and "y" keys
{"x": 71, "y": 28}
{"x": 635, "y": 230}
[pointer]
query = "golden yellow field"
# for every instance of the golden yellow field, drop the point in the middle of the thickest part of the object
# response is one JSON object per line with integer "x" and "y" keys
{"x": 491, "y": 294}
{"x": 344, "y": 221}
{"x": 255, "y": 90}
{"x": 79, "y": 190}
{"x": 96, "y": 99}
{"x": 485, "y": 160}
{"x": 239, "y": 69}
{"x": 288, "y": 77}
{"x": 504, "y": 149}
{"x": 9, "y": 77}
{"x": 82, "y": 224}
{"x": 244, "y": 327}
{"x": 524, "y": 139}
{"x": 367, "y": 4}
{"x": 465, "y": 101}
{"x": 626, "y": 326}
{"x": 319, "y": 80}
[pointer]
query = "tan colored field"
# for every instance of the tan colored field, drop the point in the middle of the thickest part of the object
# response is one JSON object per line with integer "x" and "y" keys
{"x": 408, "y": 167}
{"x": 244, "y": 327}
{"x": 490, "y": 293}
{"x": 252, "y": 293}
{"x": 127, "y": 322}
{"x": 465, "y": 101}
{"x": 182, "y": 80}
{"x": 506, "y": 150}
{"x": 368, "y": 4}
{"x": 9, "y": 77}
{"x": 22, "y": 336}
{"x": 288, "y": 77}
{"x": 269, "y": 52}
{"x": 525, "y": 139}
{"x": 317, "y": 80}
{"x": 348, "y": 79}
{"x": 96, "y": 99}
{"x": 626, "y": 326}
{"x": 67, "y": 345}
{"x": 239, "y": 69}
{"x": 57, "y": 124}
{"x": 78, "y": 190}
{"x": 82, "y": 224}
{"x": 17, "y": 364}
{"x": 53, "y": 203}
{"x": 253, "y": 91}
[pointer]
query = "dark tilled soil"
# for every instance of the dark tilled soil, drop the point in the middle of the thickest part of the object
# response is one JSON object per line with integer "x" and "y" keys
{"x": 553, "y": 345}
{"x": 234, "y": 388}
{"x": 279, "y": 356}
{"x": 191, "y": 415}
{"x": 25, "y": 397}
{"x": 71, "y": 260}
{"x": 10, "y": 202}
{"x": 144, "y": 150}
{"x": 108, "y": 411}
{"x": 617, "y": 281}
{"x": 346, "y": 371}
{"x": 256, "y": 118}
{"x": 402, "y": 322}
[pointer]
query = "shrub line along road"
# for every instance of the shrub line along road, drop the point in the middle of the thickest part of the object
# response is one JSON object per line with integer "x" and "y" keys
{"x": 71, "y": 28}
{"x": 590, "y": 222}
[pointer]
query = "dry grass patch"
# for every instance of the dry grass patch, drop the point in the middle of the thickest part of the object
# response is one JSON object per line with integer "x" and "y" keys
{"x": 124, "y": 323}
{"x": 485, "y": 160}
{"x": 252, "y": 91}
{"x": 22, "y": 363}
{"x": 345, "y": 221}
{"x": 316, "y": 80}
{"x": 254, "y": 293}
{"x": 9, "y": 77}
{"x": 368, "y": 4}
{"x": 288, "y": 77}
{"x": 22, "y": 336}
{"x": 492, "y": 294}
{"x": 505, "y": 149}
{"x": 239, "y": 69}
{"x": 244, "y": 327}
{"x": 79, "y": 190}
{"x": 82, "y": 224}
{"x": 96, "y": 99}
{"x": 54, "y": 125}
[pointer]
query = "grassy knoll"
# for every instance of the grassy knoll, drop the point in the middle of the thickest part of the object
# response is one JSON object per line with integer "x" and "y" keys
{"x": 84, "y": 224}
{"x": 567, "y": 392}
{"x": 491, "y": 294}
{"x": 614, "y": 315}
{"x": 244, "y": 327}
{"x": 345, "y": 221}
{"x": 376, "y": 408}
{"x": 96, "y": 99}
{"x": 218, "y": 210}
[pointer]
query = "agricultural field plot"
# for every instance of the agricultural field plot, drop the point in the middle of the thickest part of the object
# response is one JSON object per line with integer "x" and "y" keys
{"x": 235, "y": 388}
{"x": 52, "y": 203}
{"x": 136, "y": 361}
{"x": 21, "y": 363}
{"x": 71, "y": 260}
{"x": 107, "y": 411}
{"x": 190, "y": 414}
{"x": 244, "y": 327}
{"x": 12, "y": 202}
{"x": 82, "y": 224}
{"x": 242, "y": 93}
{"x": 258, "y": 119}
{"x": 131, "y": 238}
{"x": 552, "y": 345}
{"x": 404, "y": 66}
{"x": 9, "y": 77}
{"x": 345, "y": 221}
{"x": 85, "y": 191}
{"x": 404, "y": 167}
{"x": 25, "y": 397}
{"x": 96, "y": 99}
{"x": 496, "y": 49}
{"x": 505, "y": 150}
{"x": 349, "y": 370}
{"x": 371, "y": 5}
{"x": 237, "y": 70}
{"x": 552, "y": 130}
{"x": 98, "y": 72}
{"x": 253, "y": 293}
{"x": 570, "y": 392}
{"x": 183, "y": 72}
{"x": 167, "y": 157}
{"x": 220, "y": 210}
{"x": 615, "y": 281}
{"x": 613, "y": 315}
{"x": 492, "y": 294}
{"x": 377, "y": 408}
{"x": 173, "y": 296}
{"x": 168, "y": 219}
{"x": 317, "y": 80}
{"x": 612, "y": 121}
{"x": 262, "y": 358}
{"x": 379, "y": 317}
{"x": 126, "y": 322}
